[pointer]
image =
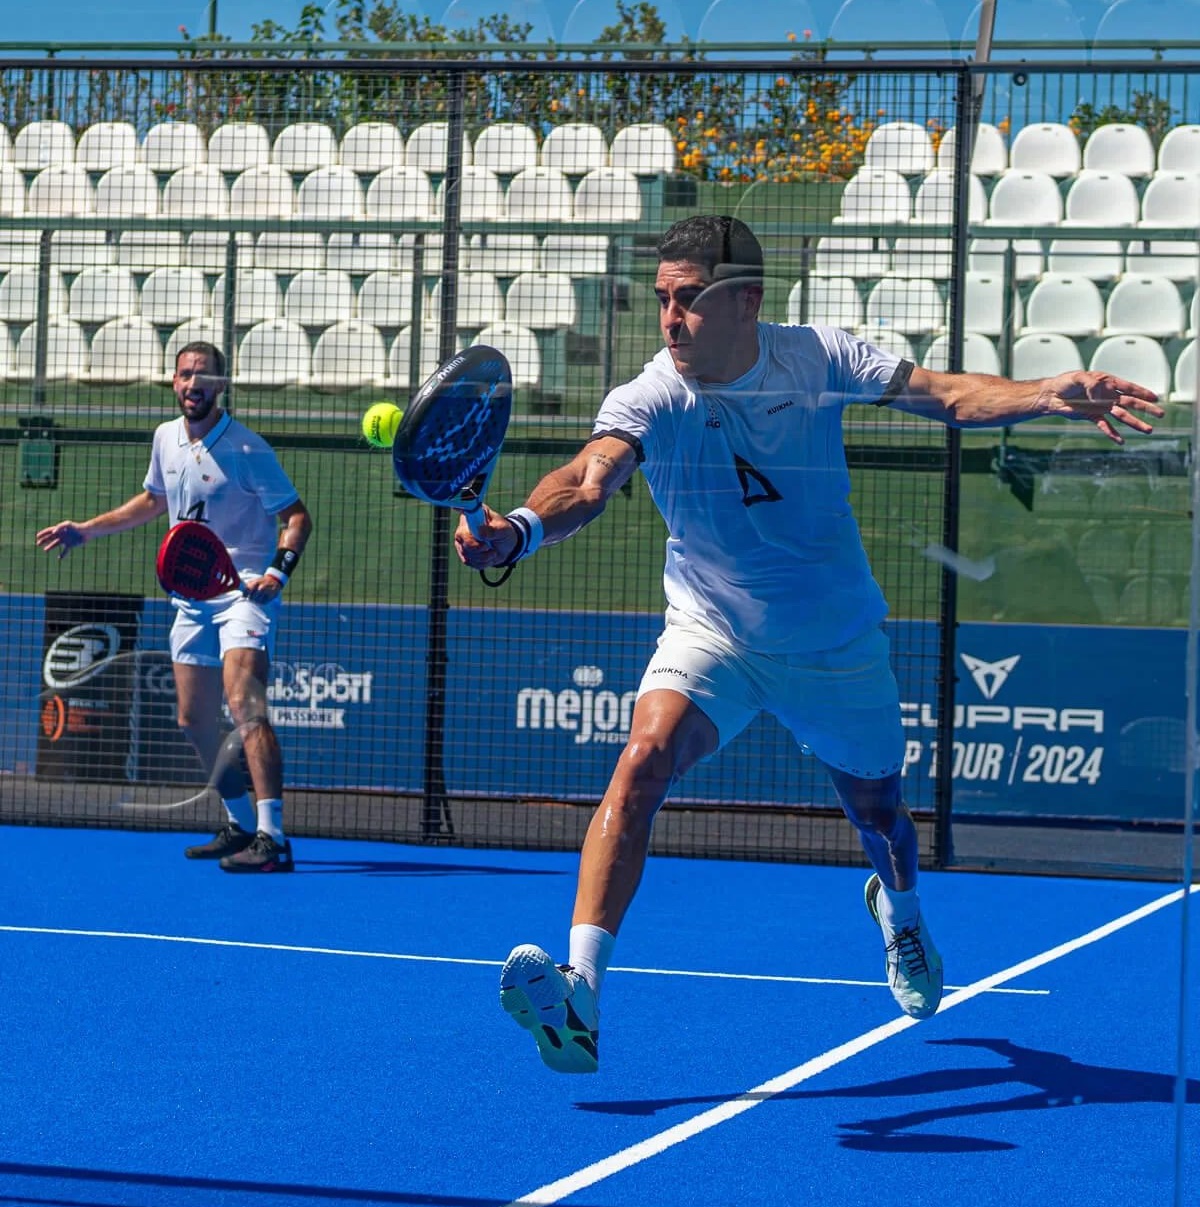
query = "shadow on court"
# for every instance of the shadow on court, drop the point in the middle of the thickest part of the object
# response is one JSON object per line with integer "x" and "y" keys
{"x": 264, "y": 1193}
{"x": 1056, "y": 1081}
{"x": 401, "y": 867}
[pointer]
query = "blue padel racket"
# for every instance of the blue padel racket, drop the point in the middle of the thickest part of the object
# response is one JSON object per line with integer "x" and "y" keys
{"x": 193, "y": 562}
{"x": 449, "y": 439}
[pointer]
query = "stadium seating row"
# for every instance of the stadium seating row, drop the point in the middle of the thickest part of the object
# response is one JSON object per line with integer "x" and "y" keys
{"x": 576, "y": 147}
{"x": 272, "y": 354}
{"x": 352, "y": 353}
{"x": 1059, "y": 302}
{"x": 536, "y": 194}
{"x": 366, "y": 148}
{"x": 312, "y": 297}
{"x": 1049, "y": 147}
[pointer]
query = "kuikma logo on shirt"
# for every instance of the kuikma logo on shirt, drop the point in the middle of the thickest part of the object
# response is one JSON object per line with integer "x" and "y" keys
{"x": 585, "y": 711}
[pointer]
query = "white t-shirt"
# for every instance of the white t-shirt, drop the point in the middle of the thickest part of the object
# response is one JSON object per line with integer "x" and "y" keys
{"x": 230, "y": 480}
{"x": 751, "y": 479}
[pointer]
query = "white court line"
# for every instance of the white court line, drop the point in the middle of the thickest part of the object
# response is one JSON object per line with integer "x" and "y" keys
{"x": 392, "y": 955}
{"x": 555, "y": 1192}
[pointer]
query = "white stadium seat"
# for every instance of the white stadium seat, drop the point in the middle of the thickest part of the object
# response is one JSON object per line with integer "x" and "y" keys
{"x": 39, "y": 144}
{"x": 385, "y": 299}
{"x": 331, "y": 192}
{"x": 506, "y": 148}
{"x": 170, "y": 146}
{"x": 428, "y": 146}
{"x": 101, "y": 293}
{"x": 1171, "y": 199}
{"x": 262, "y": 191}
{"x": 989, "y": 156}
{"x": 1066, "y": 304}
{"x": 6, "y": 352}
{"x": 1044, "y": 355}
{"x": 125, "y": 350}
{"x": 1025, "y": 198}
{"x": 1179, "y": 151}
{"x": 480, "y": 301}
{"x": 520, "y": 347}
{"x": 400, "y": 355}
{"x": 831, "y": 302}
{"x": 304, "y": 147}
{"x": 505, "y": 255}
{"x": 1048, "y": 147}
{"x": 129, "y": 191}
{"x": 481, "y": 197}
{"x": 236, "y": 146}
{"x": 66, "y": 351}
{"x": 923, "y": 256}
{"x": 189, "y": 332}
{"x": 902, "y": 147}
{"x": 875, "y": 195}
{"x": 61, "y": 190}
{"x": 174, "y": 294}
{"x": 890, "y": 340}
{"x": 644, "y": 148}
{"x": 986, "y": 309}
{"x": 6, "y": 146}
{"x": 1185, "y": 375}
{"x": 19, "y": 295}
{"x": 578, "y": 255}
{"x": 256, "y": 297}
{"x": 349, "y": 355}
{"x": 1119, "y": 147}
{"x": 541, "y": 300}
{"x": 1136, "y": 358}
{"x": 370, "y": 147}
{"x": 979, "y": 354}
{"x": 858, "y": 256}
{"x": 1194, "y": 320}
{"x": 1101, "y": 198}
{"x": 935, "y": 202}
{"x": 319, "y": 298}
{"x": 272, "y": 354}
{"x": 540, "y": 195}
{"x": 106, "y": 145}
{"x": 910, "y": 306}
{"x": 12, "y": 191}
{"x": 1144, "y": 305}
{"x": 289, "y": 251}
{"x": 575, "y": 148}
{"x": 400, "y": 194}
{"x": 608, "y": 195}
{"x": 196, "y": 191}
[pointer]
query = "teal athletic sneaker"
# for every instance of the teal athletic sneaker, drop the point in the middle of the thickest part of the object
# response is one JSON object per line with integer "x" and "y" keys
{"x": 556, "y": 1004}
{"x": 914, "y": 968}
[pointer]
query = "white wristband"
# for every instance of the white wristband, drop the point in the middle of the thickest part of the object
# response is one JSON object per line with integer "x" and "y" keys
{"x": 529, "y": 529}
{"x": 275, "y": 572}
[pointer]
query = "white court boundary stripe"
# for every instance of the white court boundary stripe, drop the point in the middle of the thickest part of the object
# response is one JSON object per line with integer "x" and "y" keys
{"x": 555, "y": 1192}
{"x": 393, "y": 955}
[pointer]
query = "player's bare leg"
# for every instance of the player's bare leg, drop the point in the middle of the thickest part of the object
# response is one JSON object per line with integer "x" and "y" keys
{"x": 198, "y": 692}
{"x": 558, "y": 1004}
{"x": 889, "y": 838}
{"x": 245, "y": 683}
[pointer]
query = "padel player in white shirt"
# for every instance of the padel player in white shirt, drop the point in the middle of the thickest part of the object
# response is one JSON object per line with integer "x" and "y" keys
{"x": 736, "y": 425}
{"x": 208, "y": 467}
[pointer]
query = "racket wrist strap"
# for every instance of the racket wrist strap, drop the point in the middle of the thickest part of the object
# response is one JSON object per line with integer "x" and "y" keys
{"x": 527, "y": 525}
{"x": 283, "y": 564}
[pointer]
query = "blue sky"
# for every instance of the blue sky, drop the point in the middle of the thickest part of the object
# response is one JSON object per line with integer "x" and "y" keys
{"x": 722, "y": 20}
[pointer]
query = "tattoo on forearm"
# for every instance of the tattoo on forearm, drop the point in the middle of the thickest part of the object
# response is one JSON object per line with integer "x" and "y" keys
{"x": 604, "y": 460}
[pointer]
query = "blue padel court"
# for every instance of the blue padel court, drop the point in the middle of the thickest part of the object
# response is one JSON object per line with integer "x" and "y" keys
{"x": 177, "y": 1037}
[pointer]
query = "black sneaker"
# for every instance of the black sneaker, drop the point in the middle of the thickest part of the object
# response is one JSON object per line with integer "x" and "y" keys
{"x": 263, "y": 854}
{"x": 228, "y": 840}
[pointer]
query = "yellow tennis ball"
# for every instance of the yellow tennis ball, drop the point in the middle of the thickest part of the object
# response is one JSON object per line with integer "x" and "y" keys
{"x": 380, "y": 422}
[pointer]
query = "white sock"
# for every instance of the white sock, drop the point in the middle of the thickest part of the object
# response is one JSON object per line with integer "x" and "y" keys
{"x": 240, "y": 811}
{"x": 898, "y": 909}
{"x": 590, "y": 950}
{"x": 270, "y": 817}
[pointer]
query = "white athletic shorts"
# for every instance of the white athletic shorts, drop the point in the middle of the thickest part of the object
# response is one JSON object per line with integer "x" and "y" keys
{"x": 842, "y": 705}
{"x": 203, "y": 632}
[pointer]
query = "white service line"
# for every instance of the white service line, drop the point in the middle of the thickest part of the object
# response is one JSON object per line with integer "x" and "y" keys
{"x": 393, "y": 955}
{"x": 555, "y": 1192}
